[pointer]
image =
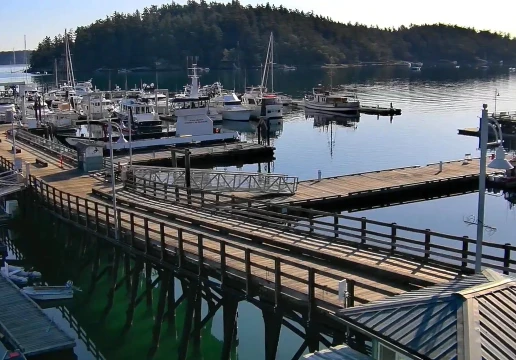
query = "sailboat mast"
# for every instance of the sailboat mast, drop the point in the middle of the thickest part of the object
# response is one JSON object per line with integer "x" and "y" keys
{"x": 272, "y": 62}
{"x": 25, "y": 54}
{"x": 265, "y": 69}
{"x": 55, "y": 72}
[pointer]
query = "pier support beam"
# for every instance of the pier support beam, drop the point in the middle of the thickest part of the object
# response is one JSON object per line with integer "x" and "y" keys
{"x": 134, "y": 291}
{"x": 171, "y": 299}
{"x": 272, "y": 322}
{"x": 114, "y": 277}
{"x": 127, "y": 271}
{"x": 165, "y": 283}
{"x": 193, "y": 293}
{"x": 229, "y": 308}
{"x": 148, "y": 284}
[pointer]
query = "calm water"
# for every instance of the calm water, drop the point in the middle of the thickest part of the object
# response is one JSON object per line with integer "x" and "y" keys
{"x": 434, "y": 104}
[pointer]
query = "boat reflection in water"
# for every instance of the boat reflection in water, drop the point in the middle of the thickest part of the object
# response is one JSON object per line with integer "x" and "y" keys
{"x": 249, "y": 129}
{"x": 321, "y": 119}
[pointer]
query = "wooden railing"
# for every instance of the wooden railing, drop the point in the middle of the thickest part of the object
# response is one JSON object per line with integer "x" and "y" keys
{"x": 176, "y": 247}
{"x": 450, "y": 251}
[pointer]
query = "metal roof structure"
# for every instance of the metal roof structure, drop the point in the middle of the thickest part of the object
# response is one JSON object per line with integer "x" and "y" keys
{"x": 341, "y": 352}
{"x": 472, "y": 318}
{"x": 25, "y": 326}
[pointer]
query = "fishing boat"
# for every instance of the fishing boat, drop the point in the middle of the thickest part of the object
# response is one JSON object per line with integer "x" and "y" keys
{"x": 49, "y": 292}
{"x": 327, "y": 101}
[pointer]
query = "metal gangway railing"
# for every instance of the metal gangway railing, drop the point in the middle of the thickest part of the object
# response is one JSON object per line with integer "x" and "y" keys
{"x": 215, "y": 180}
{"x": 48, "y": 146}
{"x": 11, "y": 181}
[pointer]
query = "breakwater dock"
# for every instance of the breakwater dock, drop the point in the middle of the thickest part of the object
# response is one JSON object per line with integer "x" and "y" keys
{"x": 283, "y": 258}
{"x": 25, "y": 327}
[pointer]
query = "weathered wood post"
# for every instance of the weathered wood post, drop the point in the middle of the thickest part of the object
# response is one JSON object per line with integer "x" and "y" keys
{"x": 506, "y": 258}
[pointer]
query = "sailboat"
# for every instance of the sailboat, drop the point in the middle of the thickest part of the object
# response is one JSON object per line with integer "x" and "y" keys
{"x": 263, "y": 103}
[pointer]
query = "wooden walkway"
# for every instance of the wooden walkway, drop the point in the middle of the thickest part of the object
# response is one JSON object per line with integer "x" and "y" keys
{"x": 281, "y": 257}
{"x": 231, "y": 152}
{"x": 25, "y": 326}
{"x": 384, "y": 183}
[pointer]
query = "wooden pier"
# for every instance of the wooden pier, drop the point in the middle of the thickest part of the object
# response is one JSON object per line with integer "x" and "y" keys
{"x": 286, "y": 255}
{"x": 389, "y": 185}
{"x": 25, "y": 326}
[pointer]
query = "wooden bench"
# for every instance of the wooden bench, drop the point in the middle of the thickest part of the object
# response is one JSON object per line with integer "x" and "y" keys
{"x": 41, "y": 163}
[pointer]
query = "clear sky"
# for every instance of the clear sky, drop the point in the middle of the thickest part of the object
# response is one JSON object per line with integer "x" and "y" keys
{"x": 39, "y": 18}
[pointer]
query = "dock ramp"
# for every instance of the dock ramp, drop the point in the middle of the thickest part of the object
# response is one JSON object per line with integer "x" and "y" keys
{"x": 25, "y": 326}
{"x": 214, "y": 180}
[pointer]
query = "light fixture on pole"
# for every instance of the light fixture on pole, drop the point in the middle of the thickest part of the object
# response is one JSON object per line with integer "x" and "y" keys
{"x": 498, "y": 163}
{"x": 115, "y": 213}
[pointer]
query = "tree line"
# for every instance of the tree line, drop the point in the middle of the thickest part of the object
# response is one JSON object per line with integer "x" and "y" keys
{"x": 237, "y": 36}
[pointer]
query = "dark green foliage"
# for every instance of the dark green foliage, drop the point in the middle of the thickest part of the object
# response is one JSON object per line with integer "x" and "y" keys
{"x": 222, "y": 34}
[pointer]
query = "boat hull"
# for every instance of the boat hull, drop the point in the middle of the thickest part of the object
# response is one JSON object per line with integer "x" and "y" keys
{"x": 271, "y": 111}
{"x": 352, "y": 109}
{"x": 236, "y": 115}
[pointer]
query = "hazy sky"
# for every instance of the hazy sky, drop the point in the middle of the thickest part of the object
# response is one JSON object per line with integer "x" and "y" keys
{"x": 39, "y": 18}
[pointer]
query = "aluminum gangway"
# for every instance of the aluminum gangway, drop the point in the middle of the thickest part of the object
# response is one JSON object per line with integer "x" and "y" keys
{"x": 215, "y": 180}
{"x": 11, "y": 181}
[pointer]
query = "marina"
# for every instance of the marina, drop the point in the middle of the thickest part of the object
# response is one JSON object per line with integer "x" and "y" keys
{"x": 244, "y": 221}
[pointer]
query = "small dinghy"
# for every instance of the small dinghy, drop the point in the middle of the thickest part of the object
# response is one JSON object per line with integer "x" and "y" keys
{"x": 14, "y": 275}
{"x": 50, "y": 292}
{"x": 20, "y": 271}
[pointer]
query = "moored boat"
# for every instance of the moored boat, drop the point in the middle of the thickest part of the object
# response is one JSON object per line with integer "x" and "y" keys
{"x": 325, "y": 100}
{"x": 49, "y": 292}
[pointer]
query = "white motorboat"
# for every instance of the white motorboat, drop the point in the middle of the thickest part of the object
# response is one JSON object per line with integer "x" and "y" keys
{"x": 325, "y": 100}
{"x": 231, "y": 108}
{"x": 256, "y": 99}
{"x": 96, "y": 107}
{"x": 141, "y": 111}
{"x": 49, "y": 292}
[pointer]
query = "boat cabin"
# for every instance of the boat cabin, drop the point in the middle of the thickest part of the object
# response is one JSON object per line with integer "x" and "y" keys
{"x": 137, "y": 107}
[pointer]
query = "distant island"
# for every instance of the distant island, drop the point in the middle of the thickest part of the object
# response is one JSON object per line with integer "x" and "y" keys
{"x": 17, "y": 57}
{"x": 236, "y": 36}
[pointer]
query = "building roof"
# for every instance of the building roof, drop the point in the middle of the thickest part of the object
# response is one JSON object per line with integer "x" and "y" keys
{"x": 341, "y": 352}
{"x": 468, "y": 318}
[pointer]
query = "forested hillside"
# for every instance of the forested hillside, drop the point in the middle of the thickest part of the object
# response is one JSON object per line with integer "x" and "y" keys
{"x": 227, "y": 34}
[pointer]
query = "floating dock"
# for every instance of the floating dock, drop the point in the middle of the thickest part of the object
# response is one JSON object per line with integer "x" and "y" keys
{"x": 221, "y": 154}
{"x": 364, "y": 109}
{"x": 384, "y": 185}
{"x": 25, "y": 326}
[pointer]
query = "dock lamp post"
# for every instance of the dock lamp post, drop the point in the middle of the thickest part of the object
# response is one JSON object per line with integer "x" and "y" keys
{"x": 115, "y": 213}
{"x": 498, "y": 163}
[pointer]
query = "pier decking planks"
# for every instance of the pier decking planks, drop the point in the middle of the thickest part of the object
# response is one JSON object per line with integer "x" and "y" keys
{"x": 371, "y": 184}
{"x": 26, "y": 326}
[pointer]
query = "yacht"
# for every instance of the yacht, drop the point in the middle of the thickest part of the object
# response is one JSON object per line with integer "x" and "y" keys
{"x": 141, "y": 111}
{"x": 267, "y": 105}
{"x": 325, "y": 100}
{"x": 193, "y": 125}
{"x": 231, "y": 108}
{"x": 6, "y": 104}
{"x": 97, "y": 107}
